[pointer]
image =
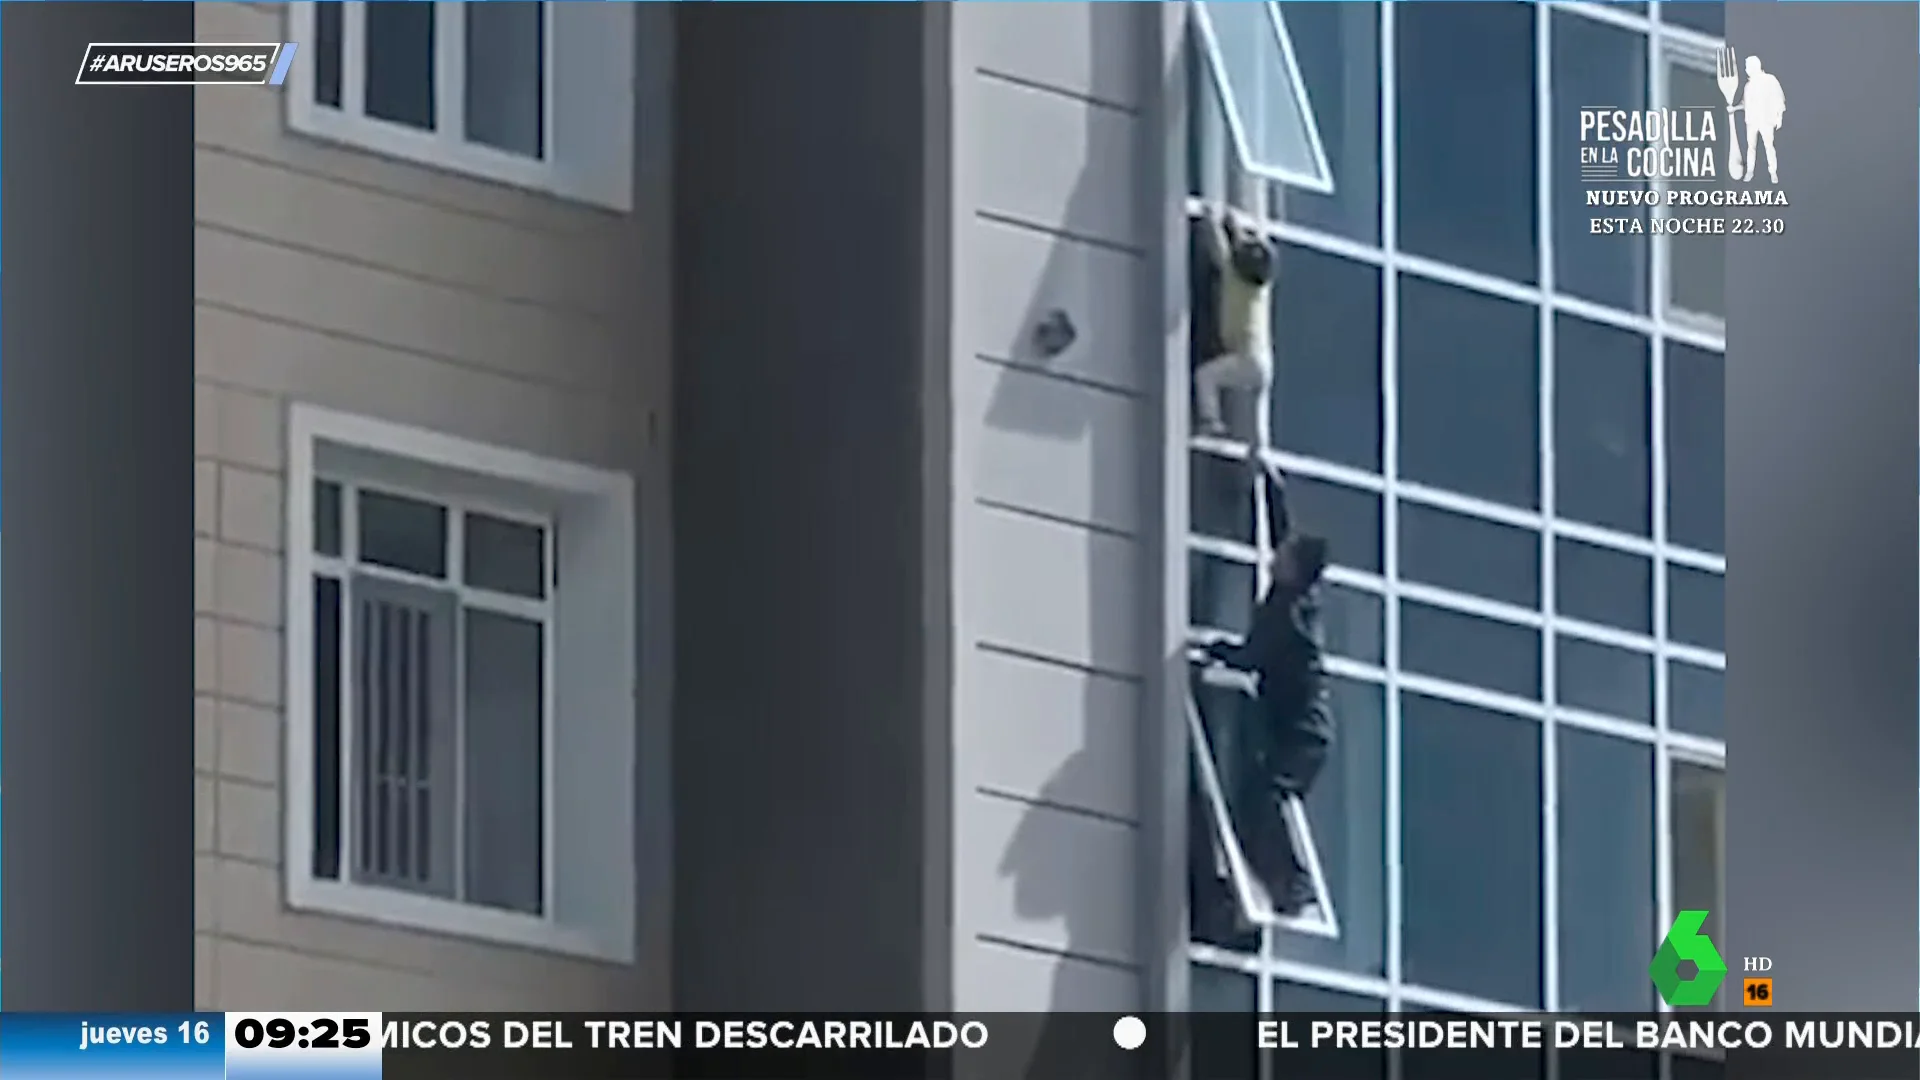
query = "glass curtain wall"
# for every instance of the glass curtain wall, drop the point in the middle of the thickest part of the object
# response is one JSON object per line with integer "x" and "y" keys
{"x": 1511, "y": 431}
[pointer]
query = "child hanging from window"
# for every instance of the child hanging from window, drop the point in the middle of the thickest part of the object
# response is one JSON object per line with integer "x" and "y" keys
{"x": 1231, "y": 306}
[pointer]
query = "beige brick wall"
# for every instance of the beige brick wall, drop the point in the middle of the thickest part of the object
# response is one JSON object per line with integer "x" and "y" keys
{"x": 334, "y": 277}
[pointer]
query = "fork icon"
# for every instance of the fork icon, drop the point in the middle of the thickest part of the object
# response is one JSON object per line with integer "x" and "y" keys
{"x": 1728, "y": 76}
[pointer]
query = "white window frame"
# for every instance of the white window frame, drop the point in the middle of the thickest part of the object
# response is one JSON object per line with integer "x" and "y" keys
{"x": 588, "y": 102}
{"x": 1670, "y": 50}
{"x": 1706, "y": 759}
{"x": 1318, "y": 918}
{"x": 591, "y": 733}
{"x": 1320, "y": 180}
{"x": 344, "y": 567}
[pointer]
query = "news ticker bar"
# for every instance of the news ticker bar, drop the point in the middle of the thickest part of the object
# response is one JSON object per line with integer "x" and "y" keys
{"x": 185, "y": 63}
{"x": 579, "y": 1046}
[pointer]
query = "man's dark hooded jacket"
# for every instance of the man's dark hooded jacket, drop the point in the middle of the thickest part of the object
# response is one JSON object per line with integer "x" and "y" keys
{"x": 1292, "y": 718}
{"x": 1286, "y": 729}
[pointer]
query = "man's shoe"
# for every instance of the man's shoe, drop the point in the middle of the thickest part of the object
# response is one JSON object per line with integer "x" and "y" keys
{"x": 1297, "y": 895}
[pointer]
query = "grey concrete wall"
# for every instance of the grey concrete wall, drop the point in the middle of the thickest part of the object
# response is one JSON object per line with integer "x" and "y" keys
{"x": 920, "y": 567}
{"x": 1060, "y": 203}
{"x": 1825, "y": 768}
{"x": 809, "y": 422}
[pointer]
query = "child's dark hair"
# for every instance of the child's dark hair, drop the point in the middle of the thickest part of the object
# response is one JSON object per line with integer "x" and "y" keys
{"x": 1253, "y": 259}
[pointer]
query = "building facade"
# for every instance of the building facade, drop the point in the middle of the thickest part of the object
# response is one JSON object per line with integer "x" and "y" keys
{"x": 650, "y": 556}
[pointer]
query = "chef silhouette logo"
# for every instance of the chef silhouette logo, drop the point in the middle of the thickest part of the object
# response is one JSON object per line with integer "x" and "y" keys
{"x": 1765, "y": 106}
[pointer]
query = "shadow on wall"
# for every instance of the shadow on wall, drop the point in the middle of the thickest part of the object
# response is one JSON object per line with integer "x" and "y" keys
{"x": 1045, "y": 889}
{"x": 1069, "y": 398}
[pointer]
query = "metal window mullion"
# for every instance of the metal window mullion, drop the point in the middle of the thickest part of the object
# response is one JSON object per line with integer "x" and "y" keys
{"x": 1262, "y": 443}
{"x": 394, "y": 621}
{"x": 1603, "y": 13}
{"x": 548, "y": 80}
{"x": 353, "y": 58}
{"x": 1389, "y": 361}
{"x": 1659, "y": 245}
{"x": 412, "y": 654}
{"x": 549, "y": 702}
{"x": 443, "y": 708}
{"x": 419, "y": 780}
{"x": 1549, "y": 667}
{"x": 1660, "y": 254}
{"x": 450, "y": 73}
{"x": 1260, "y": 202}
{"x": 374, "y": 717}
{"x": 352, "y": 814}
{"x": 1343, "y": 982}
{"x": 456, "y": 709}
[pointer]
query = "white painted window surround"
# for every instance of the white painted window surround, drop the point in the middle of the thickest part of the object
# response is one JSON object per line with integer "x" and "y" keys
{"x": 563, "y": 101}
{"x": 428, "y": 786}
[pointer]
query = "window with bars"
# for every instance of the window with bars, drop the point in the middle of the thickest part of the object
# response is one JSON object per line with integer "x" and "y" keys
{"x": 431, "y": 652}
{"x": 462, "y": 735}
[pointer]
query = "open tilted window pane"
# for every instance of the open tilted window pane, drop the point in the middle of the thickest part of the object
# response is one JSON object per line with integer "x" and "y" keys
{"x": 1242, "y": 844}
{"x": 1269, "y": 118}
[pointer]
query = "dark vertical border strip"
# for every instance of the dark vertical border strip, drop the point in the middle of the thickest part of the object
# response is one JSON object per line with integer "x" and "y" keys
{"x": 1823, "y": 339}
{"x": 96, "y": 467}
{"x": 937, "y": 509}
